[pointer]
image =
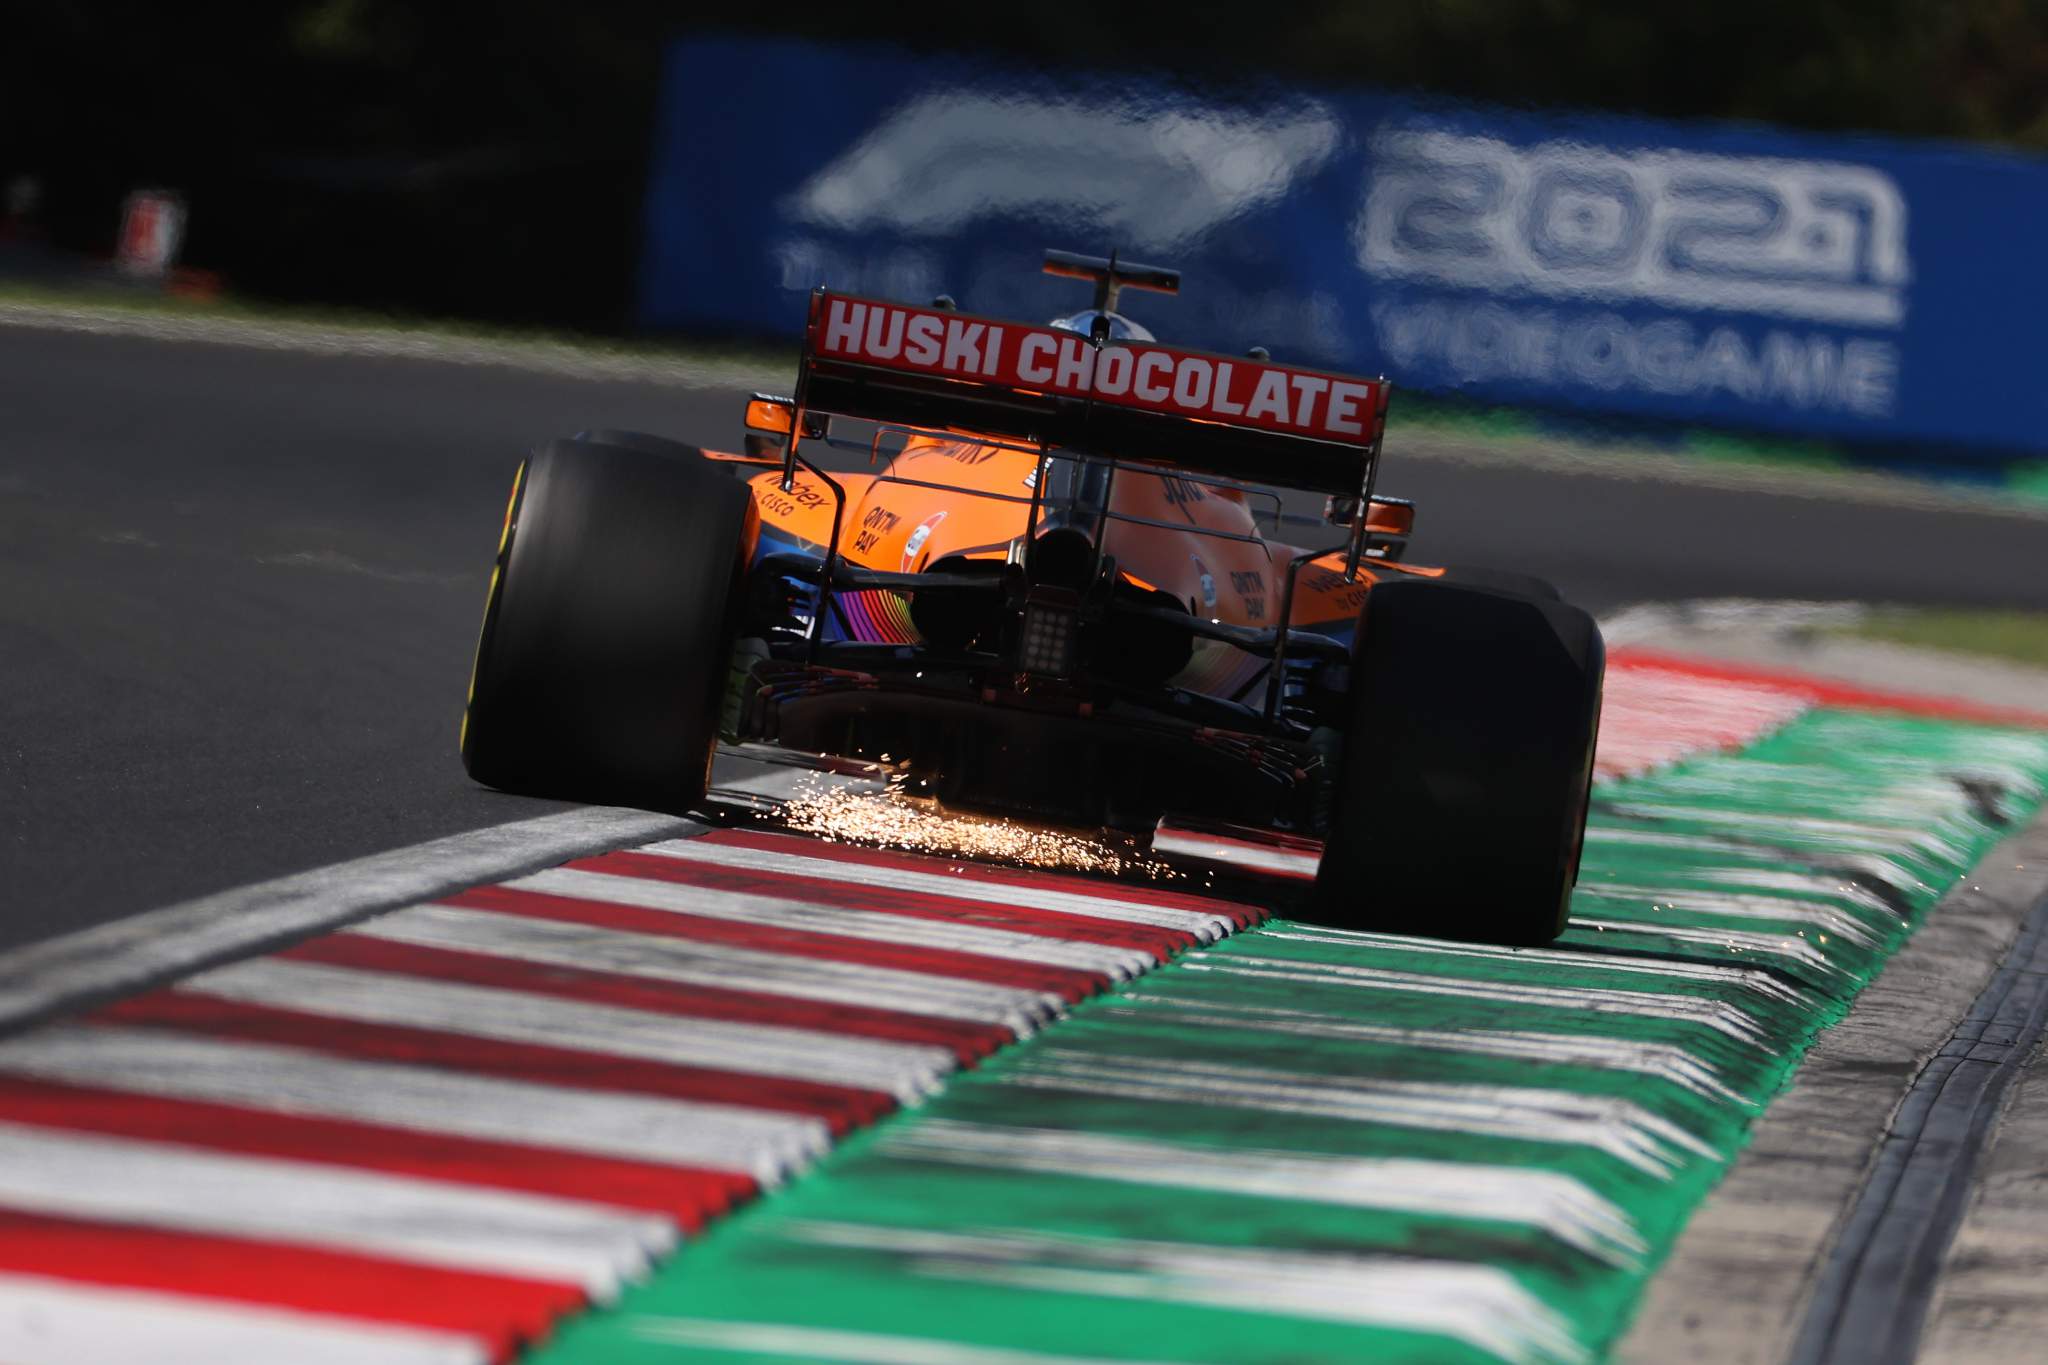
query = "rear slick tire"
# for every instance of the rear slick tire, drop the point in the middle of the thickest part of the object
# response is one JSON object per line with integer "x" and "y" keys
{"x": 608, "y": 630}
{"x": 1460, "y": 804}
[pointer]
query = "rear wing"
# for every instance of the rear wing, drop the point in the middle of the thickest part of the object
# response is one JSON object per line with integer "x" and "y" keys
{"x": 1231, "y": 417}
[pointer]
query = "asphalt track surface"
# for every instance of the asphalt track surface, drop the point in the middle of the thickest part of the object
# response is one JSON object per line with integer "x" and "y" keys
{"x": 239, "y": 588}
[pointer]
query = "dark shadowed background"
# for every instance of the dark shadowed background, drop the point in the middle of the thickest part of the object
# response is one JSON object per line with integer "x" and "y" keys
{"x": 487, "y": 160}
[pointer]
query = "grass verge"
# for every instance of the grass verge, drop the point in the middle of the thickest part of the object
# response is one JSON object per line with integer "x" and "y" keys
{"x": 2016, "y": 636}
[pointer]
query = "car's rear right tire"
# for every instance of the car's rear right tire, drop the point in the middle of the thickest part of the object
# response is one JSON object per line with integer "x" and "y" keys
{"x": 1460, "y": 799}
{"x": 608, "y": 629}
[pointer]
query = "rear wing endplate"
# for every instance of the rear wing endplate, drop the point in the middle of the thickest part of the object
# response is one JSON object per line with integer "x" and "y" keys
{"x": 1232, "y": 417}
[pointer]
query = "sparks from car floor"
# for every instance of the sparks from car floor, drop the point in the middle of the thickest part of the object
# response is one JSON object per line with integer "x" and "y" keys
{"x": 900, "y": 818}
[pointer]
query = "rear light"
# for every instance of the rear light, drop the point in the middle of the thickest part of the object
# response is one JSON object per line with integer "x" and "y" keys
{"x": 1047, "y": 644}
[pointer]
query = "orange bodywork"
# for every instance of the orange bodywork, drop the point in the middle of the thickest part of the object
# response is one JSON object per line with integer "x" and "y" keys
{"x": 894, "y": 521}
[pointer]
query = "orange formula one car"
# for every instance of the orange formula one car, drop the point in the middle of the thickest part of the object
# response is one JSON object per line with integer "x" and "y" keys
{"x": 1055, "y": 590}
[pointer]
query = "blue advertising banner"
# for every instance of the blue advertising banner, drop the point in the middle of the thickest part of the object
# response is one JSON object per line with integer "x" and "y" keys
{"x": 1743, "y": 276}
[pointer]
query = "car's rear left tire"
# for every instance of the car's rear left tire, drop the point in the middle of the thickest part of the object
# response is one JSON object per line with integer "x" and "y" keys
{"x": 608, "y": 630}
{"x": 1460, "y": 799}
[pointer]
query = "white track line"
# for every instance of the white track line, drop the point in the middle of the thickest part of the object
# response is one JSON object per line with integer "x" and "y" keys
{"x": 760, "y": 1143}
{"x": 58, "y": 1322}
{"x": 691, "y": 962}
{"x": 905, "y": 1070}
{"x": 1647, "y": 621}
{"x": 303, "y": 1203}
{"x": 130, "y": 953}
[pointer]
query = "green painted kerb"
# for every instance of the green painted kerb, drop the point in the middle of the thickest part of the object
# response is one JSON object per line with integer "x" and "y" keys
{"x": 1306, "y": 1145}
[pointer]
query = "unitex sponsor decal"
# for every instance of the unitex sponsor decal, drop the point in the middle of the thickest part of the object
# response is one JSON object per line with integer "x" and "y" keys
{"x": 1326, "y": 407}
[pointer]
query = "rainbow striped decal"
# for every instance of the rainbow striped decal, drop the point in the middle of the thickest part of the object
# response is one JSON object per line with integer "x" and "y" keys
{"x": 877, "y": 617}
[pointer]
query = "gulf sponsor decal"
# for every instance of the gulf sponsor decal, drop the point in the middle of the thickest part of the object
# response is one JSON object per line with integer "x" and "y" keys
{"x": 1248, "y": 393}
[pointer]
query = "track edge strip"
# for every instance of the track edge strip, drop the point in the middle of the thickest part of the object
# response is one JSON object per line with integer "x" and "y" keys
{"x": 77, "y": 970}
{"x": 1758, "y": 1248}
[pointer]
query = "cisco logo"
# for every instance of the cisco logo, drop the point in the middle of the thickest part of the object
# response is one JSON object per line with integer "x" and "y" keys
{"x": 1820, "y": 242}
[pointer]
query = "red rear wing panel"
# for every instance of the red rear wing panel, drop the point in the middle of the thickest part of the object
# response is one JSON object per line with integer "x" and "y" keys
{"x": 1239, "y": 418}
